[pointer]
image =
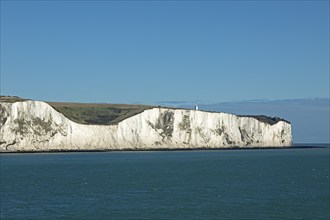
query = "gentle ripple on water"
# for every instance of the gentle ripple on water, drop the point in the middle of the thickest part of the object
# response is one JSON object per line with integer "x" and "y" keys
{"x": 230, "y": 184}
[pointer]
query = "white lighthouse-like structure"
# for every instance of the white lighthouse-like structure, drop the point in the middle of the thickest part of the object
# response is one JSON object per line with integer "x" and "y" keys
{"x": 196, "y": 107}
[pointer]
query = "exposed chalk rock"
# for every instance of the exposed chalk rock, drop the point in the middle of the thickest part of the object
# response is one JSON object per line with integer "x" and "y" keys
{"x": 36, "y": 126}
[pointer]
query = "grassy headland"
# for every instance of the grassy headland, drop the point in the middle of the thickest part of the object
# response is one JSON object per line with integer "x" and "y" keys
{"x": 11, "y": 99}
{"x": 97, "y": 114}
{"x": 107, "y": 114}
{"x": 90, "y": 113}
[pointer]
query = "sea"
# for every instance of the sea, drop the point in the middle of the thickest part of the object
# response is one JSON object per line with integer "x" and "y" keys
{"x": 290, "y": 183}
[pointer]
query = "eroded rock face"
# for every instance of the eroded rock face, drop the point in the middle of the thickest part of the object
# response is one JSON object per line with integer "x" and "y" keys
{"x": 36, "y": 126}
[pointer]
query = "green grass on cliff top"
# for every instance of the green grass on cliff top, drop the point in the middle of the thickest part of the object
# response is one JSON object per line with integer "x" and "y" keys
{"x": 107, "y": 114}
{"x": 99, "y": 114}
{"x": 11, "y": 99}
{"x": 90, "y": 113}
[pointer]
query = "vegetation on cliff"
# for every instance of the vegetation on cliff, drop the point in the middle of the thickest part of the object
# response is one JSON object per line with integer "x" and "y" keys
{"x": 90, "y": 113}
{"x": 98, "y": 114}
{"x": 11, "y": 99}
{"x": 107, "y": 114}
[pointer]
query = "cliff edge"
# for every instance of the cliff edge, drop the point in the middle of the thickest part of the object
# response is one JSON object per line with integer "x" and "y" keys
{"x": 36, "y": 126}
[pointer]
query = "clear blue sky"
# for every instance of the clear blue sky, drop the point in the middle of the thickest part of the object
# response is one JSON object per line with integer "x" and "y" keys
{"x": 142, "y": 51}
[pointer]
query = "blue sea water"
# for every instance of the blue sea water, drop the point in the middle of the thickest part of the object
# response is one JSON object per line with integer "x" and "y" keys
{"x": 215, "y": 184}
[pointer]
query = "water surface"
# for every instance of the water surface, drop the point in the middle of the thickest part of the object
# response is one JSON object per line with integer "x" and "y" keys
{"x": 216, "y": 184}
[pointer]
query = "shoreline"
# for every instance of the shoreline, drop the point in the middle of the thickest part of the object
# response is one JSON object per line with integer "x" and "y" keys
{"x": 297, "y": 146}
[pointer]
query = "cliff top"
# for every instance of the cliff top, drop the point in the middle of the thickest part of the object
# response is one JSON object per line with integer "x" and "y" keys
{"x": 98, "y": 114}
{"x": 266, "y": 119}
{"x": 107, "y": 114}
{"x": 11, "y": 99}
{"x": 90, "y": 113}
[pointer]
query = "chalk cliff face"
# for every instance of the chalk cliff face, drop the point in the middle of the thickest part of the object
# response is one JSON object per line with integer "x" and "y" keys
{"x": 36, "y": 126}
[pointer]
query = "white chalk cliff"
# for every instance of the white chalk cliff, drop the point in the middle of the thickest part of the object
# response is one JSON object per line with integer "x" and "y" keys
{"x": 36, "y": 126}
